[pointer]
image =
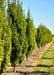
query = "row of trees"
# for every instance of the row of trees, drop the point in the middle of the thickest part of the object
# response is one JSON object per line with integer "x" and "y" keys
{"x": 17, "y": 34}
{"x": 44, "y": 36}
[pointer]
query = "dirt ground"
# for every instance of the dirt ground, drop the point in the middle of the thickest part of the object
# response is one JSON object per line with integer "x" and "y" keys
{"x": 30, "y": 64}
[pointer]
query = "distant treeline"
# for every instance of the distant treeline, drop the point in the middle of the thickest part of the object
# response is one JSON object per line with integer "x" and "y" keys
{"x": 53, "y": 35}
{"x": 44, "y": 36}
{"x": 18, "y": 37}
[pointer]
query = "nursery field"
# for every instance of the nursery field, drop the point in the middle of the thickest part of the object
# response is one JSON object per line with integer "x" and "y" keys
{"x": 26, "y": 48}
{"x": 46, "y": 64}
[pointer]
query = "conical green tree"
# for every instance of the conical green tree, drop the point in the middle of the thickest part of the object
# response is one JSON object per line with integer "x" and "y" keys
{"x": 18, "y": 27}
{"x": 6, "y": 38}
{"x": 30, "y": 34}
{"x": 1, "y": 30}
{"x": 7, "y": 45}
{"x": 23, "y": 37}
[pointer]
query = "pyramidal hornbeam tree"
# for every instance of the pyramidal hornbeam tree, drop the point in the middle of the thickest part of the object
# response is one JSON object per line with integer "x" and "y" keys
{"x": 18, "y": 27}
{"x": 1, "y": 30}
{"x": 30, "y": 34}
{"x": 7, "y": 45}
{"x": 5, "y": 39}
{"x": 23, "y": 37}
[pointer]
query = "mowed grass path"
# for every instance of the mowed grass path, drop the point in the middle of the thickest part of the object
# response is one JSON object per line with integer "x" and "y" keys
{"x": 46, "y": 64}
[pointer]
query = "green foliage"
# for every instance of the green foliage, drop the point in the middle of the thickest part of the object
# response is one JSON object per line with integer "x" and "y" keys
{"x": 1, "y": 3}
{"x": 1, "y": 40}
{"x": 35, "y": 31}
{"x": 7, "y": 45}
{"x": 44, "y": 36}
{"x": 30, "y": 34}
{"x": 5, "y": 40}
{"x": 18, "y": 27}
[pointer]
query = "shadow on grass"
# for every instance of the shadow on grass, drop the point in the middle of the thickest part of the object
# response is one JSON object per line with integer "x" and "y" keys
{"x": 46, "y": 58}
{"x": 34, "y": 73}
{"x": 31, "y": 73}
{"x": 39, "y": 65}
{"x": 30, "y": 66}
{"x": 45, "y": 65}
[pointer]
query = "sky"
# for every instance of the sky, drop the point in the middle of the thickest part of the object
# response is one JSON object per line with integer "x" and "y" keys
{"x": 42, "y": 12}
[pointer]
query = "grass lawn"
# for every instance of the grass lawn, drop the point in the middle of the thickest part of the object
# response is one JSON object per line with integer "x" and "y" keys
{"x": 46, "y": 64}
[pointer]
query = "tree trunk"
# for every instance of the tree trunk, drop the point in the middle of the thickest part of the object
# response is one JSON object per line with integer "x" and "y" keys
{"x": 26, "y": 58}
{"x": 14, "y": 69}
{"x": 0, "y": 73}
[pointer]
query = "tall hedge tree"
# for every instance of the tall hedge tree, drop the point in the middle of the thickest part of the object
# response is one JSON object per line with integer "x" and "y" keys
{"x": 30, "y": 34}
{"x": 23, "y": 37}
{"x": 1, "y": 31}
{"x": 18, "y": 27}
{"x": 7, "y": 45}
{"x": 6, "y": 39}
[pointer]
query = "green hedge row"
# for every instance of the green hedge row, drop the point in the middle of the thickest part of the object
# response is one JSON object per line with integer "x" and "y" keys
{"x": 44, "y": 36}
{"x": 16, "y": 35}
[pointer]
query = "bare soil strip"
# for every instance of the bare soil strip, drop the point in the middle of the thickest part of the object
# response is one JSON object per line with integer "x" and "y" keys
{"x": 30, "y": 64}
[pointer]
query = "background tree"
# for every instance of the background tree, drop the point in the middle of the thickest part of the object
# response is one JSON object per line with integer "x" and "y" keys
{"x": 30, "y": 34}
{"x": 44, "y": 36}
